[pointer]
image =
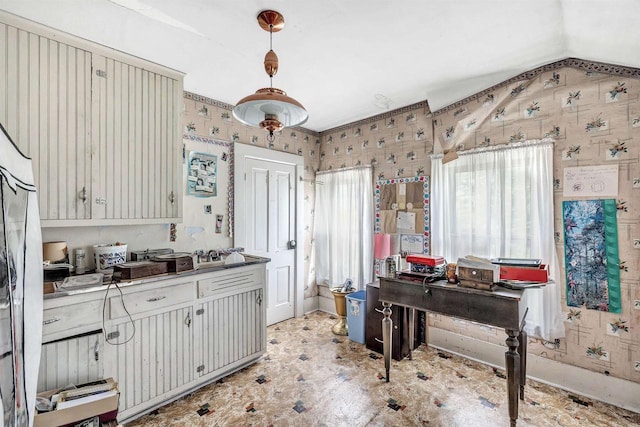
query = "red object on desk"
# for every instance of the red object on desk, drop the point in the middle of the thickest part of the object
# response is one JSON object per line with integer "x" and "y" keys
{"x": 430, "y": 260}
{"x": 531, "y": 274}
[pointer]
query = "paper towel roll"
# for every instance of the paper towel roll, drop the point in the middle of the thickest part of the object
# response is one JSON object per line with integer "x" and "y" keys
{"x": 54, "y": 251}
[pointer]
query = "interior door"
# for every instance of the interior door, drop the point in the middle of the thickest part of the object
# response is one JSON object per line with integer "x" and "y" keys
{"x": 270, "y": 230}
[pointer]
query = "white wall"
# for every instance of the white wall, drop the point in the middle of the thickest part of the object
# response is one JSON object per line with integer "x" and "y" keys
{"x": 197, "y": 231}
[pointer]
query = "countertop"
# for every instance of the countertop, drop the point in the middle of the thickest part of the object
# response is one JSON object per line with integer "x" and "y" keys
{"x": 207, "y": 267}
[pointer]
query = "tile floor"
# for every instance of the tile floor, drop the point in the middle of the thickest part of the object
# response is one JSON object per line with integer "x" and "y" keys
{"x": 310, "y": 377}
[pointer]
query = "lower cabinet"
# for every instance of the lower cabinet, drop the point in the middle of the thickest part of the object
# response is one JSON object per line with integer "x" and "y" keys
{"x": 150, "y": 357}
{"x": 231, "y": 320}
{"x": 74, "y": 360}
{"x": 231, "y": 330}
{"x": 159, "y": 339}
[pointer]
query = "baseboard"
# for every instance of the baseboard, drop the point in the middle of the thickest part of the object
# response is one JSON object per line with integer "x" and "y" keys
{"x": 310, "y": 305}
{"x": 326, "y": 302}
{"x": 593, "y": 385}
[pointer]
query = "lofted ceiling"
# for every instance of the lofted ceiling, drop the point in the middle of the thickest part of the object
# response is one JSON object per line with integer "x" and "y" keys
{"x": 348, "y": 60}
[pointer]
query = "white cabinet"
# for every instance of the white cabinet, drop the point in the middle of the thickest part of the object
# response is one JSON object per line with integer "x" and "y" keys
{"x": 136, "y": 139}
{"x": 45, "y": 106}
{"x": 164, "y": 337}
{"x": 150, "y": 353}
{"x": 230, "y": 319}
{"x": 74, "y": 360}
{"x": 73, "y": 344}
{"x": 102, "y": 127}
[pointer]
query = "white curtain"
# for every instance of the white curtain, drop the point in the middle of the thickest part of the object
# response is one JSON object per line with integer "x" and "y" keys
{"x": 498, "y": 202}
{"x": 343, "y": 231}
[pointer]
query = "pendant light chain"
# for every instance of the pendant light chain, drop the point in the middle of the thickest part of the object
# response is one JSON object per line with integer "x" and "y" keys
{"x": 271, "y": 48}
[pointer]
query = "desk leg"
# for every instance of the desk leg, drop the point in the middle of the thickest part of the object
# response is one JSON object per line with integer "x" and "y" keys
{"x": 412, "y": 325}
{"x": 387, "y": 327}
{"x": 522, "y": 351}
{"x": 512, "y": 362}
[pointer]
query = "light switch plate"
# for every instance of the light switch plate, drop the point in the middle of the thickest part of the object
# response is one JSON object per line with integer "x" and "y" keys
{"x": 636, "y": 243}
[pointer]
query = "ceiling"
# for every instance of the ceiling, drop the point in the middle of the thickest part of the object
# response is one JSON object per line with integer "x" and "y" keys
{"x": 348, "y": 60}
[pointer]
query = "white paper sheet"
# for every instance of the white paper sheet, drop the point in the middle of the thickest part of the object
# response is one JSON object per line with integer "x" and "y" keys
{"x": 593, "y": 181}
{"x": 406, "y": 221}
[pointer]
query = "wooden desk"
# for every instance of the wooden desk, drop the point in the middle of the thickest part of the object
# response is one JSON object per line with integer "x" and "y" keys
{"x": 500, "y": 308}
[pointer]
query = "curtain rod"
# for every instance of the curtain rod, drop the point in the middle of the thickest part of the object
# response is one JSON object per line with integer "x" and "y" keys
{"x": 501, "y": 147}
{"x": 344, "y": 169}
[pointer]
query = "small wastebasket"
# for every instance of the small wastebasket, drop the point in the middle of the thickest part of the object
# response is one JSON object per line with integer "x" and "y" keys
{"x": 356, "y": 313}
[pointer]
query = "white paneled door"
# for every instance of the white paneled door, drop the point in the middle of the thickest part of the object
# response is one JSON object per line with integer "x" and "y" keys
{"x": 266, "y": 223}
{"x": 270, "y": 228}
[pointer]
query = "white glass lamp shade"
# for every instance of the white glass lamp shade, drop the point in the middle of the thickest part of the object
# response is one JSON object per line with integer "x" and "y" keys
{"x": 252, "y": 110}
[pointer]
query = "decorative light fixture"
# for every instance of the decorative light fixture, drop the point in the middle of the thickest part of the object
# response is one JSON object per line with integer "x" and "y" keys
{"x": 270, "y": 108}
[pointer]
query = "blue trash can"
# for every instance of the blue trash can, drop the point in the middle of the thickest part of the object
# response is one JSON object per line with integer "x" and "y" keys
{"x": 356, "y": 313}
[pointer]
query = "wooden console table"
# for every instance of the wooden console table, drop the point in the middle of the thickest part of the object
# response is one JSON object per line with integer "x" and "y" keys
{"x": 500, "y": 308}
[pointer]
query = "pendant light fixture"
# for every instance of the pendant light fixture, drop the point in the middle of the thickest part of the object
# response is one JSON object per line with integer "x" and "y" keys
{"x": 270, "y": 108}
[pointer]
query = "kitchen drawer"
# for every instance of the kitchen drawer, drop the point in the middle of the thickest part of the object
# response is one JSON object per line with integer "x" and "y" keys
{"x": 73, "y": 316}
{"x": 231, "y": 278}
{"x": 152, "y": 299}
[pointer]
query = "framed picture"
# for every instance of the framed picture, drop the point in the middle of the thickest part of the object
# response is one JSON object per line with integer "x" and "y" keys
{"x": 202, "y": 175}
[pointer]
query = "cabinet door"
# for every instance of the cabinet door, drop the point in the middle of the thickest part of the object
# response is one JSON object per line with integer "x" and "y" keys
{"x": 135, "y": 132}
{"x": 75, "y": 360}
{"x": 152, "y": 358}
{"x": 45, "y": 106}
{"x": 232, "y": 330}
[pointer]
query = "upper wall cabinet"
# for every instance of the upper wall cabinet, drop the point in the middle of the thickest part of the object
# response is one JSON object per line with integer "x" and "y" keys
{"x": 102, "y": 127}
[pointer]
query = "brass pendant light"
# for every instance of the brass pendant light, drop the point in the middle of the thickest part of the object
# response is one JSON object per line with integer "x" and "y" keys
{"x": 270, "y": 108}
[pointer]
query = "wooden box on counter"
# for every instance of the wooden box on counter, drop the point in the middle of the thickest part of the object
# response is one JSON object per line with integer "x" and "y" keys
{"x": 176, "y": 262}
{"x": 477, "y": 278}
{"x": 137, "y": 269}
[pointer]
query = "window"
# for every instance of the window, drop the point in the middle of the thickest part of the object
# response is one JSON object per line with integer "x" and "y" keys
{"x": 343, "y": 231}
{"x": 498, "y": 202}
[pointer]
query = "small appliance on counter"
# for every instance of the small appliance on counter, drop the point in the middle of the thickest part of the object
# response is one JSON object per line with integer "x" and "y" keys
{"x": 54, "y": 272}
{"x": 55, "y": 261}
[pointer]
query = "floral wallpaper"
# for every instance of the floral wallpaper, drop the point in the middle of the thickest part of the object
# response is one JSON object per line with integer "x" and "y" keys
{"x": 591, "y": 110}
{"x": 206, "y": 117}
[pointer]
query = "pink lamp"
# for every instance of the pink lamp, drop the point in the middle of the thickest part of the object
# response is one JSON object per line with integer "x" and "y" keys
{"x": 382, "y": 246}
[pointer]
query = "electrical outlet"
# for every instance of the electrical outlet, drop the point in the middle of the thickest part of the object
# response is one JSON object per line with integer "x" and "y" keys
{"x": 636, "y": 243}
{"x": 636, "y": 304}
{"x": 637, "y": 365}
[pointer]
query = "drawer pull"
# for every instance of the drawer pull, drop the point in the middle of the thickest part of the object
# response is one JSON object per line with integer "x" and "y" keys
{"x": 379, "y": 340}
{"x": 154, "y": 299}
{"x": 50, "y": 321}
{"x": 378, "y": 310}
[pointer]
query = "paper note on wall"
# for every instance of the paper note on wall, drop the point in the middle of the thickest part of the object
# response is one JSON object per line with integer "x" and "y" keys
{"x": 412, "y": 243}
{"x": 592, "y": 181}
{"x": 406, "y": 222}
